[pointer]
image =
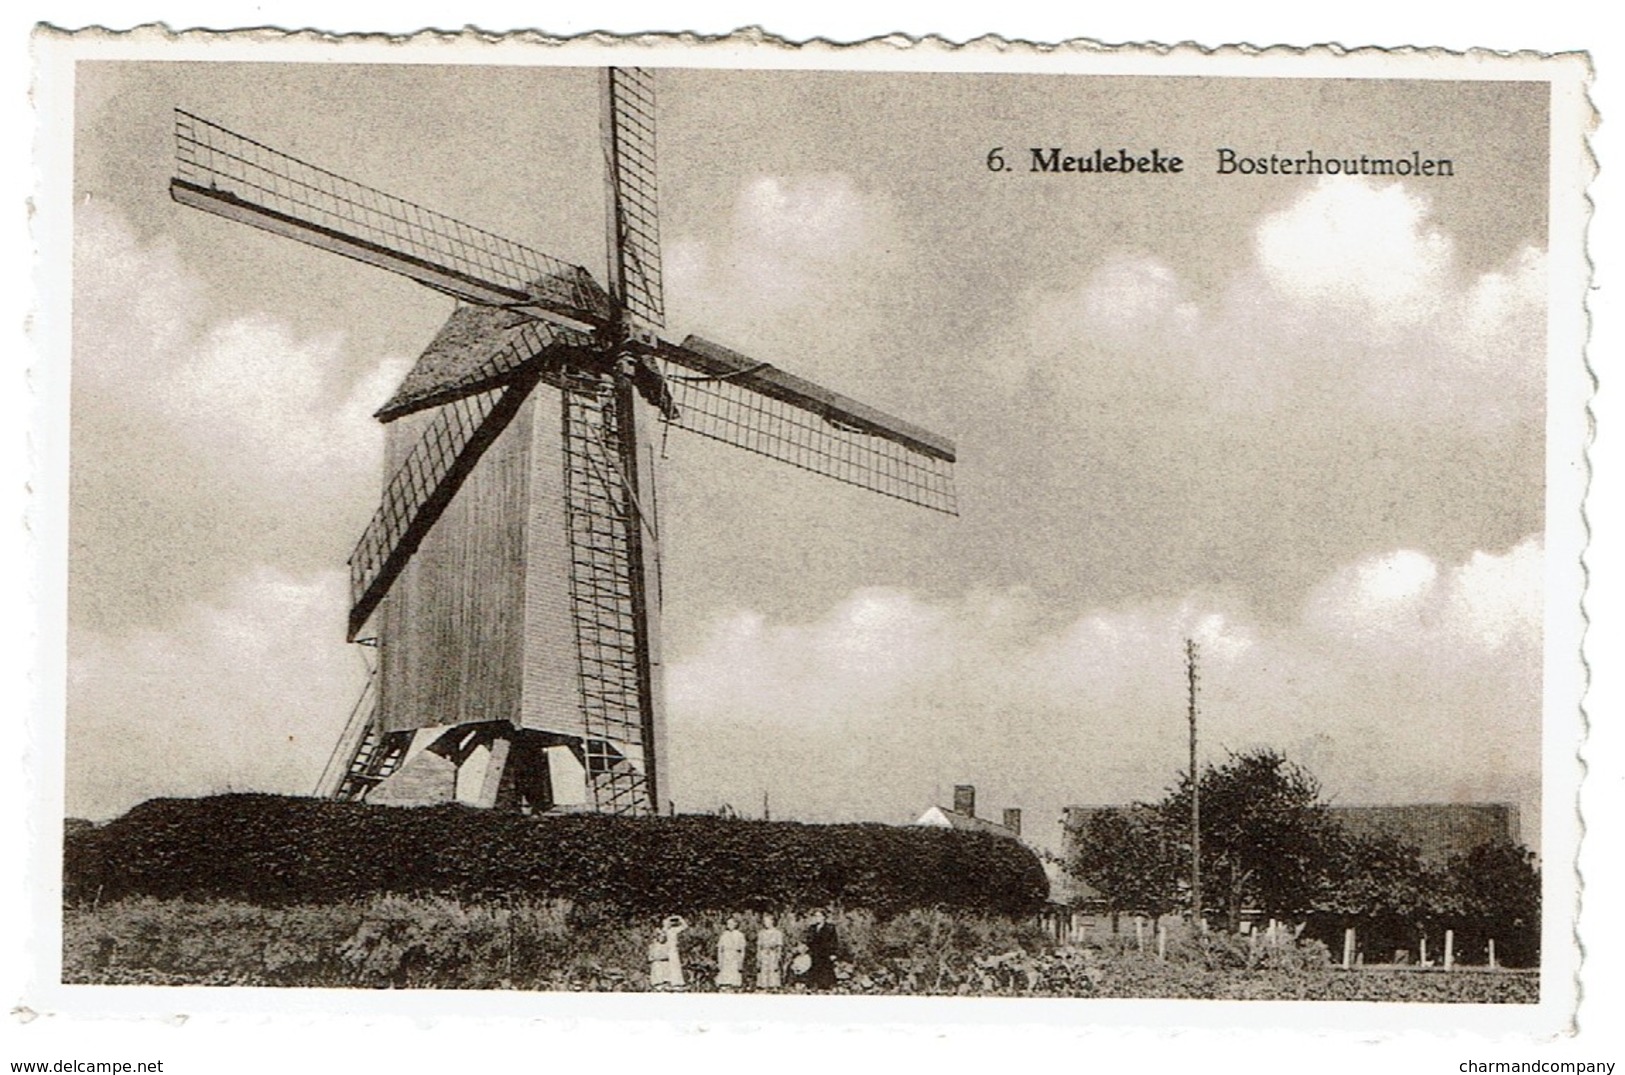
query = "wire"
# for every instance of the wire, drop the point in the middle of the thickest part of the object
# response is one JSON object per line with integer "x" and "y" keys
{"x": 696, "y": 378}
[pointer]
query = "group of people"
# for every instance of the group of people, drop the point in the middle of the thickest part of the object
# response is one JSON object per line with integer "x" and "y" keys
{"x": 811, "y": 962}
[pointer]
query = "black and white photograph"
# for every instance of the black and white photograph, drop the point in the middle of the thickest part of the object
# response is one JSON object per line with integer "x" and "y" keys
{"x": 747, "y": 527}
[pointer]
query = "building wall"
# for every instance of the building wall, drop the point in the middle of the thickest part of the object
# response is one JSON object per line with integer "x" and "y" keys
{"x": 552, "y": 693}
{"x": 451, "y": 631}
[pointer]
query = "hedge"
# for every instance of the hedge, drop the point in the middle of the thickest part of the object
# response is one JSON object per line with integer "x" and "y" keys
{"x": 277, "y": 851}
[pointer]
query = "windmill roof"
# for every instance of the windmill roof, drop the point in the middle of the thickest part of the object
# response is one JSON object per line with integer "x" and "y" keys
{"x": 477, "y": 348}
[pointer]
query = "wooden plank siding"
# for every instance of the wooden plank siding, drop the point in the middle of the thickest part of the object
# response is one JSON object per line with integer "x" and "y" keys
{"x": 450, "y": 631}
{"x": 552, "y": 700}
{"x": 478, "y": 627}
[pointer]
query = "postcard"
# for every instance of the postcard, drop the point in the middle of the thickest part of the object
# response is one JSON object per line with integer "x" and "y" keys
{"x": 711, "y": 531}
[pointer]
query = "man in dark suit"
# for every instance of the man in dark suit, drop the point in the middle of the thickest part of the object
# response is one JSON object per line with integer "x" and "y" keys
{"x": 822, "y": 945}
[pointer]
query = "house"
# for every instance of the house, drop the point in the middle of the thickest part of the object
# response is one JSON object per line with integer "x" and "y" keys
{"x": 1437, "y": 830}
{"x": 962, "y": 816}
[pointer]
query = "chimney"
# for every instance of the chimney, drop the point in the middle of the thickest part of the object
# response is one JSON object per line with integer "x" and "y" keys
{"x": 1012, "y": 819}
{"x": 965, "y": 799}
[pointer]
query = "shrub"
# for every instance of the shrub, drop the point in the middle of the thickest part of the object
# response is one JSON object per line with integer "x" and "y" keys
{"x": 278, "y": 851}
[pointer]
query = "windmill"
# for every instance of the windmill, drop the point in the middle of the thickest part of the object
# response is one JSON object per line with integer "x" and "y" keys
{"x": 510, "y": 578}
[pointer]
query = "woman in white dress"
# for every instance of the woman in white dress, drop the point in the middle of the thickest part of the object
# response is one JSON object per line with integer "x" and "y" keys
{"x": 665, "y": 957}
{"x": 769, "y": 954}
{"x": 731, "y": 956}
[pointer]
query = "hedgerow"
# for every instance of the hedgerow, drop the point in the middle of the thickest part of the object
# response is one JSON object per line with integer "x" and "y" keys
{"x": 279, "y": 851}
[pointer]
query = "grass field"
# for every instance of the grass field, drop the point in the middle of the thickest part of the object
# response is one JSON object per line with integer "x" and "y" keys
{"x": 440, "y": 943}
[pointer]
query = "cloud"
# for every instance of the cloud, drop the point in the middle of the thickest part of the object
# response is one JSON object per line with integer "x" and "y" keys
{"x": 220, "y": 470}
{"x": 1402, "y": 679}
{"x": 1348, "y": 390}
{"x": 796, "y": 251}
{"x": 202, "y": 448}
{"x": 250, "y": 392}
{"x": 247, "y": 391}
{"x": 247, "y": 691}
{"x": 1405, "y": 598}
{"x": 1354, "y": 246}
{"x": 1354, "y": 295}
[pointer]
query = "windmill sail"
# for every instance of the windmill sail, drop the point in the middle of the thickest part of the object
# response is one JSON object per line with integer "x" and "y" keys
{"x": 423, "y": 486}
{"x": 224, "y": 173}
{"x": 614, "y": 555}
{"x": 755, "y": 406}
{"x": 609, "y": 599}
{"x": 634, "y": 228}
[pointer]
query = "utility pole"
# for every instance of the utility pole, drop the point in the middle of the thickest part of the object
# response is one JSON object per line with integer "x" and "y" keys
{"x": 1196, "y": 790}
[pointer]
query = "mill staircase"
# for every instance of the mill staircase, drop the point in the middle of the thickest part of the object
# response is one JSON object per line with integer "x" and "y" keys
{"x": 365, "y": 755}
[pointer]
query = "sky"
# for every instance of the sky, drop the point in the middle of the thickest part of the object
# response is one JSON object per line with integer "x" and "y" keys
{"x": 1300, "y": 420}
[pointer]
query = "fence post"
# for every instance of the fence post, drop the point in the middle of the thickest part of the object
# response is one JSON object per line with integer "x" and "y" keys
{"x": 1449, "y": 948}
{"x": 1162, "y": 940}
{"x": 1348, "y": 947}
{"x": 1139, "y": 932}
{"x": 1422, "y": 960}
{"x": 1492, "y": 952}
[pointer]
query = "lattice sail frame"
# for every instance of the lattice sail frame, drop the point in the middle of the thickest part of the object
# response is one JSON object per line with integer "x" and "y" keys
{"x": 604, "y": 514}
{"x": 728, "y": 397}
{"x": 225, "y": 173}
{"x": 636, "y": 281}
{"x": 734, "y": 414}
{"x": 422, "y": 487}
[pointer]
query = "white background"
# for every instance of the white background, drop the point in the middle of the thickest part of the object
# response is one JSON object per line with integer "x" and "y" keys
{"x": 309, "y": 1044}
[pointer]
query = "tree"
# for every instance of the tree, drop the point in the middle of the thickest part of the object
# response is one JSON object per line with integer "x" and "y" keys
{"x": 1493, "y": 891}
{"x": 1382, "y": 885}
{"x": 1381, "y": 878}
{"x": 1130, "y": 857}
{"x": 1268, "y": 841}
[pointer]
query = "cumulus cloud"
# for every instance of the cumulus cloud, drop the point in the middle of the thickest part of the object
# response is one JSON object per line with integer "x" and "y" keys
{"x": 1402, "y": 679}
{"x": 1406, "y": 598}
{"x": 1354, "y": 294}
{"x": 248, "y": 691}
{"x": 203, "y": 447}
{"x": 248, "y": 392}
{"x": 220, "y": 470}
{"x": 796, "y": 251}
{"x": 1356, "y": 246}
{"x": 1348, "y": 389}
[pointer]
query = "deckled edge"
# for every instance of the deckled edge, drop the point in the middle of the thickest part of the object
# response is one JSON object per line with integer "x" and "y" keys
{"x": 757, "y": 36}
